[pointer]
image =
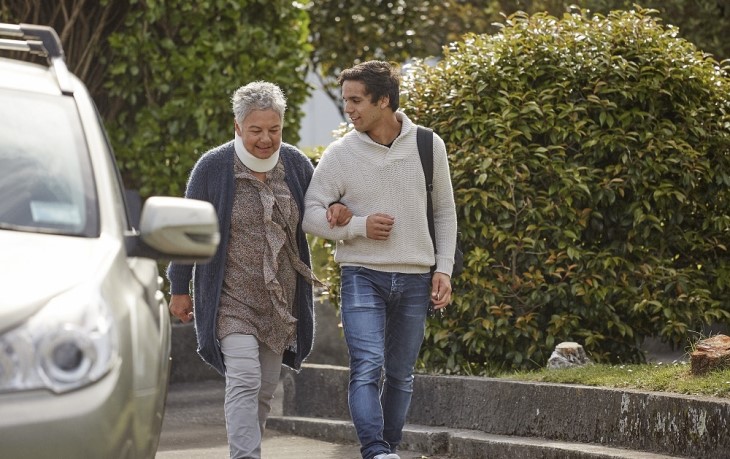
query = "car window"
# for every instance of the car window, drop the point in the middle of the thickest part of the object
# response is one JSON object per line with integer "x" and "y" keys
{"x": 46, "y": 182}
{"x": 124, "y": 207}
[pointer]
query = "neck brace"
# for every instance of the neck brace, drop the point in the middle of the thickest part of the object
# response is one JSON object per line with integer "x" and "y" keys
{"x": 252, "y": 162}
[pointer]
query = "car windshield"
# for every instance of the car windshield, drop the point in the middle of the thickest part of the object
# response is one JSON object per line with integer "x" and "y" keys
{"x": 46, "y": 184}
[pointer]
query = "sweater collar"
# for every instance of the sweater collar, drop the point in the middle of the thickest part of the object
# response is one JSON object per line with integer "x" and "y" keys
{"x": 406, "y": 125}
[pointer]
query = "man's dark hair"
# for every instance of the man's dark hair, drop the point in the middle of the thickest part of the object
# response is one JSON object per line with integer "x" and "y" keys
{"x": 380, "y": 79}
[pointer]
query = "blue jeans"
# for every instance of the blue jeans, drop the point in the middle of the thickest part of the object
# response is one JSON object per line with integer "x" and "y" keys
{"x": 383, "y": 318}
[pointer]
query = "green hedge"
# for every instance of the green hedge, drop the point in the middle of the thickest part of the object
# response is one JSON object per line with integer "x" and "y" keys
{"x": 174, "y": 65}
{"x": 590, "y": 159}
{"x": 703, "y": 22}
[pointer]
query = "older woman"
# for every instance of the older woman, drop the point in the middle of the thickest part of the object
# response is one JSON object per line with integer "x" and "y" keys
{"x": 253, "y": 300}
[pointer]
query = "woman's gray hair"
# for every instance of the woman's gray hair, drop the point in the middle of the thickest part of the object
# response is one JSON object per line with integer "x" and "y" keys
{"x": 258, "y": 95}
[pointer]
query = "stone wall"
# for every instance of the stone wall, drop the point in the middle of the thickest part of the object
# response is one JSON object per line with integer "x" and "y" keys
{"x": 643, "y": 421}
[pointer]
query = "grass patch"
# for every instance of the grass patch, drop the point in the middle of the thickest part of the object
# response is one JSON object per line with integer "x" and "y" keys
{"x": 661, "y": 377}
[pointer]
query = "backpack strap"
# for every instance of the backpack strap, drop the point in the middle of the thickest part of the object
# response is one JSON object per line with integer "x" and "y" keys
{"x": 424, "y": 140}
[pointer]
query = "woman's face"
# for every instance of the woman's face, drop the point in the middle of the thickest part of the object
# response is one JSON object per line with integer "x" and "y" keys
{"x": 260, "y": 132}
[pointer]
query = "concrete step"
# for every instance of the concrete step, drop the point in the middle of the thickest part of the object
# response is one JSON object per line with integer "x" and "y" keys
{"x": 459, "y": 443}
{"x": 562, "y": 414}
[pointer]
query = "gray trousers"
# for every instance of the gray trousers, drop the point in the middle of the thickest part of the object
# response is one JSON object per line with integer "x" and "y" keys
{"x": 252, "y": 374}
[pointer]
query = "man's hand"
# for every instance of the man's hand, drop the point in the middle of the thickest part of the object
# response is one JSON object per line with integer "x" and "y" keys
{"x": 338, "y": 215}
{"x": 440, "y": 290}
{"x": 378, "y": 226}
{"x": 181, "y": 306}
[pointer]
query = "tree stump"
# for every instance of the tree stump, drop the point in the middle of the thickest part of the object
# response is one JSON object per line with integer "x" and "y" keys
{"x": 710, "y": 354}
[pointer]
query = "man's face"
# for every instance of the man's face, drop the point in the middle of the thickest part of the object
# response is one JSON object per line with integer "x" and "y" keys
{"x": 260, "y": 132}
{"x": 364, "y": 114}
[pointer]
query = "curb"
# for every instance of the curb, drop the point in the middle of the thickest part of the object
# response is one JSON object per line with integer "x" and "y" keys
{"x": 458, "y": 443}
{"x": 518, "y": 416}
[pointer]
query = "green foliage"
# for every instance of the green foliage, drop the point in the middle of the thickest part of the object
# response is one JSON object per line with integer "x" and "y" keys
{"x": 703, "y": 22}
{"x": 345, "y": 33}
{"x": 323, "y": 250}
{"x": 174, "y": 66}
{"x": 590, "y": 160}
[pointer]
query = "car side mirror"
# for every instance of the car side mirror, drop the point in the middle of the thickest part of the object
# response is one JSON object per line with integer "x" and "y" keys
{"x": 177, "y": 229}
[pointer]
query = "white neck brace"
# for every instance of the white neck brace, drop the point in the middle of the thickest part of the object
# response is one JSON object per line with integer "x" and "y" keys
{"x": 252, "y": 162}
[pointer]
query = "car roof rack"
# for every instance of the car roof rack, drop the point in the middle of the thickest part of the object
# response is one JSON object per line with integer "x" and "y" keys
{"x": 41, "y": 41}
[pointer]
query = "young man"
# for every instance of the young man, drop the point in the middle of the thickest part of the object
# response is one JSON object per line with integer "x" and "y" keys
{"x": 384, "y": 250}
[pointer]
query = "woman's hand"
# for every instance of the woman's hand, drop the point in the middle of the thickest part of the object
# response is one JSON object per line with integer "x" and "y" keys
{"x": 181, "y": 306}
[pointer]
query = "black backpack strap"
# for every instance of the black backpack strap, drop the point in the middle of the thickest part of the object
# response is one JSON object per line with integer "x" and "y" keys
{"x": 424, "y": 140}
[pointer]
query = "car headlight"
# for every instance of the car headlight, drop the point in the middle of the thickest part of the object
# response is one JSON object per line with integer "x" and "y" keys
{"x": 68, "y": 344}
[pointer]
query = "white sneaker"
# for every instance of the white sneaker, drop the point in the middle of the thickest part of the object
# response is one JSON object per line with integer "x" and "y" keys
{"x": 387, "y": 456}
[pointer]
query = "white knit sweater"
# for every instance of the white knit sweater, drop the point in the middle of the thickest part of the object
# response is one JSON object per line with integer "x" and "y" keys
{"x": 371, "y": 178}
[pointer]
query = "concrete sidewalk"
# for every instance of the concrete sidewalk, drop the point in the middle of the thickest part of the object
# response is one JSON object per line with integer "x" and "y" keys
{"x": 282, "y": 446}
{"x": 274, "y": 446}
{"x": 194, "y": 424}
{"x": 194, "y": 428}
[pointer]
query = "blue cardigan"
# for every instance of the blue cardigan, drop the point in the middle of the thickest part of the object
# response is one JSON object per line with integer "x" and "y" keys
{"x": 212, "y": 180}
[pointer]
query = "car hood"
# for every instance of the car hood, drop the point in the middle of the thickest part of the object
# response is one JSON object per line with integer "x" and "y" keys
{"x": 36, "y": 267}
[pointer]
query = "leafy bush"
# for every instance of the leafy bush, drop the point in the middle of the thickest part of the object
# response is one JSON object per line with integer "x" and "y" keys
{"x": 590, "y": 160}
{"x": 174, "y": 66}
{"x": 703, "y": 22}
{"x": 342, "y": 32}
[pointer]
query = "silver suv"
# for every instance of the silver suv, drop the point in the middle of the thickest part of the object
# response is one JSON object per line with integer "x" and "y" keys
{"x": 84, "y": 326}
